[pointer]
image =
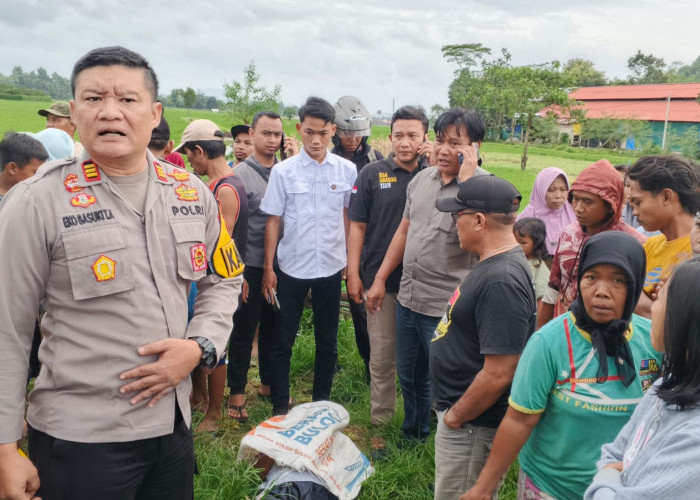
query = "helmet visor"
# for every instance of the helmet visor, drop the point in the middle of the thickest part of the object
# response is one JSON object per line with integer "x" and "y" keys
{"x": 350, "y": 133}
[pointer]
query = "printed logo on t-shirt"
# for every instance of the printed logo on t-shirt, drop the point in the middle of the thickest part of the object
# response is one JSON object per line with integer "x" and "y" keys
{"x": 446, "y": 320}
{"x": 385, "y": 181}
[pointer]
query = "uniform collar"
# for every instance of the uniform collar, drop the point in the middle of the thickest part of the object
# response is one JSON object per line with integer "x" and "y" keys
{"x": 307, "y": 160}
{"x": 90, "y": 173}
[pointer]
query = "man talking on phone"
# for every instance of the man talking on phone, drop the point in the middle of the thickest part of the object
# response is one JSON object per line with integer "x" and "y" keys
{"x": 433, "y": 263}
{"x": 376, "y": 208}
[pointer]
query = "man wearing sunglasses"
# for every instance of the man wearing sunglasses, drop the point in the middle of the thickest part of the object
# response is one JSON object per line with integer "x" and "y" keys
{"x": 477, "y": 343}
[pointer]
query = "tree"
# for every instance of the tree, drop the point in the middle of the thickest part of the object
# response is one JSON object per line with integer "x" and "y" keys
{"x": 646, "y": 68}
{"x": 465, "y": 55}
{"x": 290, "y": 111}
{"x": 246, "y": 98}
{"x": 189, "y": 96}
{"x": 582, "y": 73}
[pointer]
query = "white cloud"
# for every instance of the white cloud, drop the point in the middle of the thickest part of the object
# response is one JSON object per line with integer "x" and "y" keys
{"x": 377, "y": 51}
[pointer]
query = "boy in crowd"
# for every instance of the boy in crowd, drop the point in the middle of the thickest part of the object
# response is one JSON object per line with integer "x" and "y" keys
{"x": 20, "y": 157}
{"x": 310, "y": 192}
{"x": 664, "y": 195}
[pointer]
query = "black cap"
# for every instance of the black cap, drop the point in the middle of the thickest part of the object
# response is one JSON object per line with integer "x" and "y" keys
{"x": 162, "y": 131}
{"x": 483, "y": 193}
{"x": 239, "y": 129}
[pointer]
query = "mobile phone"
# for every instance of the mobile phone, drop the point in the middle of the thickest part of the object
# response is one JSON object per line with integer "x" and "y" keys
{"x": 275, "y": 303}
{"x": 283, "y": 154}
{"x": 460, "y": 158}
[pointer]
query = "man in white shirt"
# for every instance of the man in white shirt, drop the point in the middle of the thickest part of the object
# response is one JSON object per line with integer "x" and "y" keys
{"x": 311, "y": 193}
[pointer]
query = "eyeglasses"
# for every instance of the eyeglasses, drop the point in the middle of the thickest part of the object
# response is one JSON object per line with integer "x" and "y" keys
{"x": 455, "y": 215}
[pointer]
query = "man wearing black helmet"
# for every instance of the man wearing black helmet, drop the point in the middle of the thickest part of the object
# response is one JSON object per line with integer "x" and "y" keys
{"x": 353, "y": 126}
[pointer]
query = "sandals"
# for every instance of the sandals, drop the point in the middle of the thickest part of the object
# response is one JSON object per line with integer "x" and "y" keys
{"x": 240, "y": 409}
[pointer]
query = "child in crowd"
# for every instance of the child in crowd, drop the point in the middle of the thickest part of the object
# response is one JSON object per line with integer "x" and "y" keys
{"x": 531, "y": 234}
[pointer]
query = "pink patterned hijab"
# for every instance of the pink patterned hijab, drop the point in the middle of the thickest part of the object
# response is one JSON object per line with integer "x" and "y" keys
{"x": 554, "y": 220}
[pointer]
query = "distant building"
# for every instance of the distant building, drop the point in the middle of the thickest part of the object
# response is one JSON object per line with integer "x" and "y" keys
{"x": 649, "y": 103}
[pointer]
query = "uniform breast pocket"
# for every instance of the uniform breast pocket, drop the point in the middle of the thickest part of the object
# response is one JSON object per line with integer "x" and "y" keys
{"x": 302, "y": 198}
{"x": 335, "y": 193}
{"x": 98, "y": 262}
{"x": 192, "y": 256}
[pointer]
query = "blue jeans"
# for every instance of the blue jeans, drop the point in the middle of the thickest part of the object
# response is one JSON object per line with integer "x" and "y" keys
{"x": 413, "y": 334}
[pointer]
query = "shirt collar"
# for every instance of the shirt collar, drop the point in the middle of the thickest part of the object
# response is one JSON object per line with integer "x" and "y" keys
{"x": 307, "y": 160}
{"x": 90, "y": 173}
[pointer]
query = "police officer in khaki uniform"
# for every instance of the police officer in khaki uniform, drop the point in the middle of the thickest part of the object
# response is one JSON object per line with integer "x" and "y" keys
{"x": 109, "y": 242}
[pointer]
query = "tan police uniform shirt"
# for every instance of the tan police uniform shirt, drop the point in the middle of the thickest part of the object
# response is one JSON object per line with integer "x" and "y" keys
{"x": 433, "y": 263}
{"x": 111, "y": 279}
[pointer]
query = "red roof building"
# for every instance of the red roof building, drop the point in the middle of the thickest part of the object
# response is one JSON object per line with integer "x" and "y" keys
{"x": 638, "y": 102}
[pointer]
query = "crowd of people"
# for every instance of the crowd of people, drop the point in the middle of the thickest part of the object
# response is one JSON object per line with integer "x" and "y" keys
{"x": 565, "y": 334}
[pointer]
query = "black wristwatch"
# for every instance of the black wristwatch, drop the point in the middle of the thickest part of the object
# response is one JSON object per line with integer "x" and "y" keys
{"x": 209, "y": 357}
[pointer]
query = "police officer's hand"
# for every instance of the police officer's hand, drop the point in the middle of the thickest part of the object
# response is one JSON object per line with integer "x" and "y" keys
{"x": 291, "y": 147}
{"x": 19, "y": 479}
{"x": 245, "y": 291}
{"x": 355, "y": 289}
{"x": 269, "y": 285}
{"x": 426, "y": 149}
{"x": 176, "y": 360}
{"x": 469, "y": 163}
{"x": 375, "y": 296}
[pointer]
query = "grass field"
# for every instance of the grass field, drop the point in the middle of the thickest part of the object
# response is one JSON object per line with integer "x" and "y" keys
{"x": 408, "y": 473}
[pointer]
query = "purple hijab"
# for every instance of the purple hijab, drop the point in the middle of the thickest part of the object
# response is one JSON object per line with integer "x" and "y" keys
{"x": 554, "y": 220}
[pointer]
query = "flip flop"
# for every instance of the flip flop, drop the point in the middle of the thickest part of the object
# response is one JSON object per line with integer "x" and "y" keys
{"x": 240, "y": 409}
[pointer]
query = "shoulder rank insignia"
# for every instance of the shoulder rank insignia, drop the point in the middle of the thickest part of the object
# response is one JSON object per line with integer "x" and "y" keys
{"x": 179, "y": 175}
{"x": 199, "y": 257}
{"x": 225, "y": 259}
{"x": 90, "y": 171}
{"x": 160, "y": 173}
{"x": 104, "y": 268}
{"x": 83, "y": 200}
{"x": 71, "y": 183}
{"x": 186, "y": 193}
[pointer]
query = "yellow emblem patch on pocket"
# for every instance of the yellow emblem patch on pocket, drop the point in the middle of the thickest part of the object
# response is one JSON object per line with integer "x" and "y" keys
{"x": 104, "y": 268}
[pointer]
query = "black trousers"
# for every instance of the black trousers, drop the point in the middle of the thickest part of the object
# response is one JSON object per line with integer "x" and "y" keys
{"x": 359, "y": 322}
{"x": 245, "y": 321}
{"x": 325, "y": 300}
{"x": 160, "y": 468}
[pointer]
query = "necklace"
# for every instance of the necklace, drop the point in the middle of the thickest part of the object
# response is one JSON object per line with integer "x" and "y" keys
{"x": 496, "y": 250}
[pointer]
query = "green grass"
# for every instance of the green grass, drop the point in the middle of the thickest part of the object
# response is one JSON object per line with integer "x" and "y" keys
{"x": 407, "y": 473}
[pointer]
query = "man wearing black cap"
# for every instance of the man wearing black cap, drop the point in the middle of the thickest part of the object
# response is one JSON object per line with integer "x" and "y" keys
{"x": 476, "y": 345}
{"x": 242, "y": 143}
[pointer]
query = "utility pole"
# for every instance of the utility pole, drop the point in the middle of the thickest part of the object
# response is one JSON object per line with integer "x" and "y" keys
{"x": 668, "y": 108}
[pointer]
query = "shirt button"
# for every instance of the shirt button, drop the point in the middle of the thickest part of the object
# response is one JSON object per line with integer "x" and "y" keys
{"x": 333, "y": 187}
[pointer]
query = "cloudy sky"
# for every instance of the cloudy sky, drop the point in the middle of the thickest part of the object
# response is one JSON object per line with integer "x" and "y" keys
{"x": 377, "y": 50}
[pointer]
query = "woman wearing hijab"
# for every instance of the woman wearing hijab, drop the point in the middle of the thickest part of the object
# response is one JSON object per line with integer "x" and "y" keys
{"x": 597, "y": 197}
{"x": 656, "y": 454}
{"x": 56, "y": 142}
{"x": 549, "y": 203}
{"x": 578, "y": 380}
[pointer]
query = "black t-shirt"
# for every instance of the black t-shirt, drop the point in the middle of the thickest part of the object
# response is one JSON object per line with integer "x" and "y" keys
{"x": 378, "y": 200}
{"x": 493, "y": 311}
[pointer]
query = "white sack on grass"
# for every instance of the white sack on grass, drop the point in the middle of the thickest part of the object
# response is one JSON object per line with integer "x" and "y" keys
{"x": 309, "y": 438}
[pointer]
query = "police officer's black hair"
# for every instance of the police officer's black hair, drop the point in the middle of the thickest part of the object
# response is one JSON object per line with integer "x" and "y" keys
{"x": 115, "y": 56}
{"x": 656, "y": 173}
{"x": 410, "y": 113}
{"x": 315, "y": 107}
{"x": 20, "y": 149}
{"x": 213, "y": 149}
{"x": 260, "y": 114}
{"x": 462, "y": 118}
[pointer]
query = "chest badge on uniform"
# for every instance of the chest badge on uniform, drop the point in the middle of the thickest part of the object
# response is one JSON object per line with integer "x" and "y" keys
{"x": 160, "y": 173}
{"x": 199, "y": 257}
{"x": 186, "y": 193}
{"x": 179, "y": 175}
{"x": 91, "y": 172}
{"x": 71, "y": 183}
{"x": 104, "y": 268}
{"x": 83, "y": 200}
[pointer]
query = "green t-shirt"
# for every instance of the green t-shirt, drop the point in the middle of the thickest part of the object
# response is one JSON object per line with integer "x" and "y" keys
{"x": 556, "y": 376}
